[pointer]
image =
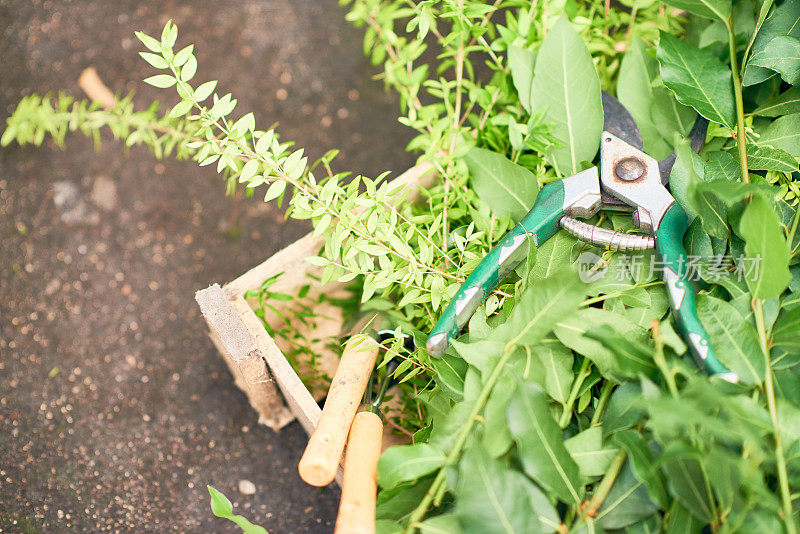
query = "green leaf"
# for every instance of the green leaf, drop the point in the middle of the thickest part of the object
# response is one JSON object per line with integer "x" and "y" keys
{"x": 785, "y": 332}
{"x": 249, "y": 170}
{"x": 635, "y": 92}
{"x": 786, "y": 103}
{"x": 162, "y": 81}
{"x": 551, "y": 256}
{"x": 688, "y": 187}
{"x": 398, "y": 502}
{"x": 168, "y": 35}
{"x": 633, "y": 357}
{"x": 496, "y": 437}
{"x": 155, "y": 60}
{"x": 729, "y": 193}
{"x": 508, "y": 188}
{"x": 450, "y": 372}
{"x": 626, "y": 503}
{"x": 688, "y": 484}
{"x": 734, "y": 339}
{"x": 766, "y": 158}
{"x": 571, "y": 332}
{"x": 587, "y": 449}
{"x": 181, "y": 108}
{"x": 540, "y": 307}
{"x": 698, "y": 79}
{"x": 204, "y": 90}
{"x": 567, "y": 87}
{"x": 681, "y": 521}
{"x": 785, "y": 20}
{"x": 642, "y": 463}
{"x": 722, "y": 166}
{"x": 766, "y": 246}
{"x": 441, "y": 524}
{"x": 521, "y": 62}
{"x": 491, "y": 498}
{"x": 713, "y": 9}
{"x": 761, "y": 520}
{"x": 404, "y": 463}
{"x": 149, "y": 42}
{"x": 783, "y": 133}
{"x": 782, "y": 55}
{"x": 686, "y": 172}
{"x": 696, "y": 241}
{"x": 671, "y": 116}
{"x": 275, "y": 190}
{"x": 189, "y": 69}
{"x": 542, "y": 453}
{"x": 182, "y": 56}
{"x": 551, "y": 368}
{"x": 624, "y": 410}
{"x": 222, "y": 507}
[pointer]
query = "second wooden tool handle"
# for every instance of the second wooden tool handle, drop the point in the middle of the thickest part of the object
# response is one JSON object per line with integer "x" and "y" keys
{"x": 324, "y": 450}
{"x": 359, "y": 487}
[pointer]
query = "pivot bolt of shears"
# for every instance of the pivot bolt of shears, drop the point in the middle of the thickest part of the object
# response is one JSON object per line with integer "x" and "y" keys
{"x": 629, "y": 169}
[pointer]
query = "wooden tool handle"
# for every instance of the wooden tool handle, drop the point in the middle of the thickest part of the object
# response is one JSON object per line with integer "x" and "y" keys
{"x": 324, "y": 450}
{"x": 359, "y": 488}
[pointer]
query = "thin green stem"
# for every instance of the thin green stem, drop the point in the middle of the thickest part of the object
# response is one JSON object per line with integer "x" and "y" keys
{"x": 793, "y": 230}
{"x": 741, "y": 136}
{"x": 566, "y": 415}
{"x": 660, "y": 360}
{"x": 605, "y": 394}
{"x": 594, "y": 504}
{"x": 783, "y": 478}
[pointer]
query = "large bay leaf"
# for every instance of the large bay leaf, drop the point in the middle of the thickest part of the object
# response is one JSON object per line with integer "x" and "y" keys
{"x": 551, "y": 367}
{"x": 767, "y": 158}
{"x": 588, "y": 451}
{"x": 734, "y": 339}
{"x": 567, "y": 87}
{"x": 508, "y": 188}
{"x": 542, "y": 453}
{"x": 571, "y": 331}
{"x": 492, "y": 498}
{"x": 713, "y": 9}
{"x": 786, "y": 332}
{"x": 541, "y": 306}
{"x": 766, "y": 246}
{"x": 782, "y": 55}
{"x": 403, "y": 463}
{"x": 786, "y": 103}
{"x": 698, "y": 79}
{"x": 521, "y": 62}
{"x": 785, "y": 20}
{"x": 783, "y": 133}
{"x": 635, "y": 91}
{"x": 626, "y": 503}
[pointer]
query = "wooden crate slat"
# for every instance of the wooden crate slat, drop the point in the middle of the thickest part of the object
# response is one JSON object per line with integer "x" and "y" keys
{"x": 243, "y": 340}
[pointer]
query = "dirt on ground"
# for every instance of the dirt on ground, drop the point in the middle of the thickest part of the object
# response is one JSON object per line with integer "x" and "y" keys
{"x": 116, "y": 411}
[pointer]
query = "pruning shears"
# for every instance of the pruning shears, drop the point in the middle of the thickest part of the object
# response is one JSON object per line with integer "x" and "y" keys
{"x": 627, "y": 180}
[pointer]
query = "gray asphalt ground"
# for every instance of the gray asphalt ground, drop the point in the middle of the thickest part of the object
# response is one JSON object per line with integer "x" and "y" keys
{"x": 115, "y": 409}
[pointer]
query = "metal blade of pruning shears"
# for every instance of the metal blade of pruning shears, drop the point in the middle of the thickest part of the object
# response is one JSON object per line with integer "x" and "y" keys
{"x": 619, "y": 122}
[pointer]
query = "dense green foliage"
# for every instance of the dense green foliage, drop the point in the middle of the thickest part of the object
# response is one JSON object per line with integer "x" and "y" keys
{"x": 568, "y": 406}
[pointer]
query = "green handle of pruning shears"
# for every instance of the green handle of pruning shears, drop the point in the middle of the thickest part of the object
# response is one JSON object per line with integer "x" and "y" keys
{"x": 537, "y": 226}
{"x": 675, "y": 262}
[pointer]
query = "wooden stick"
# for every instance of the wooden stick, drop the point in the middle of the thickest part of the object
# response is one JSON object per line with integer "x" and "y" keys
{"x": 94, "y": 87}
{"x": 324, "y": 450}
{"x": 360, "y": 485}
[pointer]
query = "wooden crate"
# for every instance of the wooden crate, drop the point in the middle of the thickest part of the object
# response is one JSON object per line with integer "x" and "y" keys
{"x": 258, "y": 365}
